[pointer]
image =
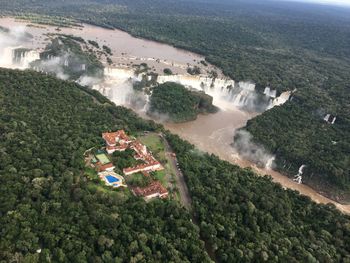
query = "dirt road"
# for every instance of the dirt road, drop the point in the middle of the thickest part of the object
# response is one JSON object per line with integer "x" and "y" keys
{"x": 185, "y": 197}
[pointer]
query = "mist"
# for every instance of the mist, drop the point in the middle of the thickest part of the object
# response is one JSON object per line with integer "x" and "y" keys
{"x": 249, "y": 150}
{"x": 10, "y": 39}
{"x": 90, "y": 81}
{"x": 53, "y": 66}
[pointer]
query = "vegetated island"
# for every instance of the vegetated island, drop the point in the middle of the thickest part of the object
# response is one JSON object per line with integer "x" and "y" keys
{"x": 176, "y": 103}
{"x": 71, "y": 57}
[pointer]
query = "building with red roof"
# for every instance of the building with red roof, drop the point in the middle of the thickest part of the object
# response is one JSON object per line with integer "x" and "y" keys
{"x": 154, "y": 189}
{"x": 116, "y": 141}
{"x": 105, "y": 167}
{"x": 119, "y": 141}
{"x": 147, "y": 167}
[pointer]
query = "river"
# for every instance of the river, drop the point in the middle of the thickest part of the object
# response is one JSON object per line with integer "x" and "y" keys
{"x": 126, "y": 49}
{"x": 214, "y": 134}
{"x": 211, "y": 133}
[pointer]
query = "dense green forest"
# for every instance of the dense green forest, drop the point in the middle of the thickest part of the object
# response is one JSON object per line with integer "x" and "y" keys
{"x": 47, "y": 203}
{"x": 284, "y": 45}
{"x": 247, "y": 218}
{"x": 174, "y": 102}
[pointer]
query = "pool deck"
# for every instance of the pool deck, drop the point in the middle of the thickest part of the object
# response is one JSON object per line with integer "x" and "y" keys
{"x": 112, "y": 179}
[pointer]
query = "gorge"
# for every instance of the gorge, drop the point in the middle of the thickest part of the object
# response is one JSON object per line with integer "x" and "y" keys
{"x": 238, "y": 101}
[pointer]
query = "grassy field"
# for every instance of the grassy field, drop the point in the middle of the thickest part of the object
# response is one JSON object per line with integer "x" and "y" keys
{"x": 137, "y": 179}
{"x": 155, "y": 145}
{"x": 160, "y": 176}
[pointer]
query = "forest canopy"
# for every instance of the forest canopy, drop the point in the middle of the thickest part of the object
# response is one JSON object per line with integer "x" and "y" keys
{"x": 46, "y": 202}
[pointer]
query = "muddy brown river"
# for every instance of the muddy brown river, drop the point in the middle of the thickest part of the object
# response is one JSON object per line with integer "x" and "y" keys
{"x": 126, "y": 49}
{"x": 214, "y": 134}
{"x": 211, "y": 133}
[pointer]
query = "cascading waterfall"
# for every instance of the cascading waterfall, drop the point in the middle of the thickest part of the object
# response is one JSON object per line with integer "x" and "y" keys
{"x": 23, "y": 57}
{"x": 17, "y": 57}
{"x": 298, "y": 178}
{"x": 6, "y": 57}
{"x": 117, "y": 85}
{"x": 270, "y": 93}
{"x": 227, "y": 93}
{"x": 270, "y": 163}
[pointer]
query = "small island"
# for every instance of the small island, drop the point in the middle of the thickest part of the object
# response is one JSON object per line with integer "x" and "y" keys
{"x": 175, "y": 103}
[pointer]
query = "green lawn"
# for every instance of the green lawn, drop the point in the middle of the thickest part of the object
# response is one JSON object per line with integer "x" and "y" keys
{"x": 137, "y": 179}
{"x": 154, "y": 144}
{"x": 160, "y": 176}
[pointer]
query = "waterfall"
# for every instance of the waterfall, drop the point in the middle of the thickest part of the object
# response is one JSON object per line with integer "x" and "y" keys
{"x": 28, "y": 57}
{"x": 17, "y": 57}
{"x": 6, "y": 57}
{"x": 226, "y": 93}
{"x": 270, "y": 93}
{"x": 330, "y": 118}
{"x": 301, "y": 169}
{"x": 118, "y": 73}
{"x": 270, "y": 163}
{"x": 298, "y": 178}
{"x": 117, "y": 85}
{"x": 283, "y": 98}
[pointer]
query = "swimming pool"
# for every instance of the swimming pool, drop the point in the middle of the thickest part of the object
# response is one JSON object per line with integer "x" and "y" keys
{"x": 111, "y": 179}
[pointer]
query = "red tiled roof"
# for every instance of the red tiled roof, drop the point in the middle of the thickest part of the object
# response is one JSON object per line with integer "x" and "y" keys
{"x": 138, "y": 146}
{"x": 120, "y": 147}
{"x": 111, "y": 137}
{"x": 154, "y": 188}
{"x": 105, "y": 167}
{"x": 139, "y": 167}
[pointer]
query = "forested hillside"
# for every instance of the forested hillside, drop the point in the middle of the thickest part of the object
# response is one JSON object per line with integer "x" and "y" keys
{"x": 247, "y": 218}
{"x": 284, "y": 45}
{"x": 46, "y": 203}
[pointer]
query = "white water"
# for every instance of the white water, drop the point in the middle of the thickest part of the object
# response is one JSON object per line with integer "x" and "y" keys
{"x": 270, "y": 93}
{"x": 8, "y": 59}
{"x": 227, "y": 93}
{"x": 117, "y": 85}
{"x": 11, "y": 41}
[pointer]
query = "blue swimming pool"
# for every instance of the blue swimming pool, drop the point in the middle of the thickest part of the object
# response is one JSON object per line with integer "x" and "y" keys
{"x": 111, "y": 179}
